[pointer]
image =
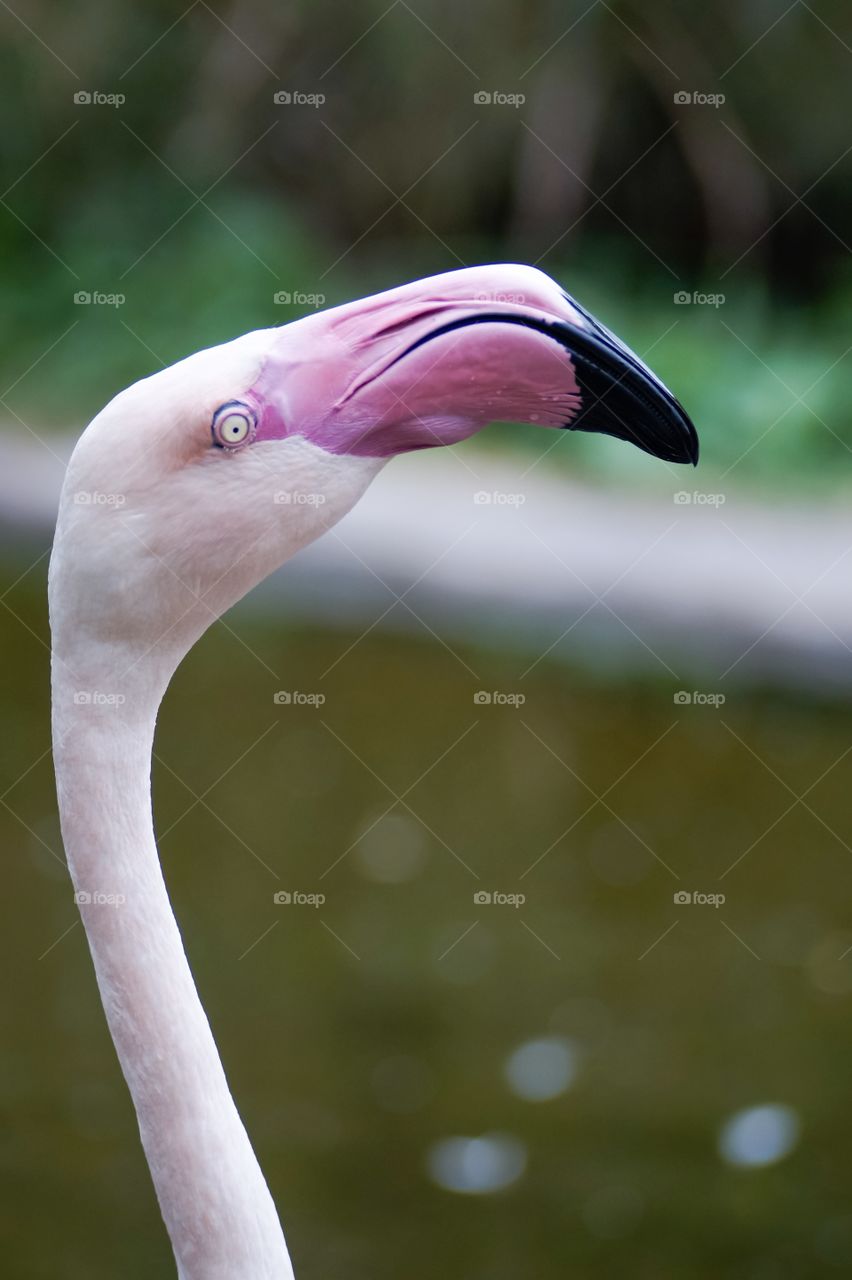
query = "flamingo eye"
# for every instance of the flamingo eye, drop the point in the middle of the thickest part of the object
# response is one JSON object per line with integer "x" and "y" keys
{"x": 233, "y": 424}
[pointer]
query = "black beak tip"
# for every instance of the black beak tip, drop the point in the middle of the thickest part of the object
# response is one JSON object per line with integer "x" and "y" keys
{"x": 694, "y": 446}
{"x": 621, "y": 397}
{"x": 636, "y": 410}
{"x": 687, "y": 436}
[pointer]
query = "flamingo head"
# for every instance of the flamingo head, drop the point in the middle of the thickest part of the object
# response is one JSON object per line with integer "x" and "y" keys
{"x": 193, "y": 484}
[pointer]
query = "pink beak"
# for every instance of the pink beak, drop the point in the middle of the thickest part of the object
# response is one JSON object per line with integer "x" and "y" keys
{"x": 432, "y": 362}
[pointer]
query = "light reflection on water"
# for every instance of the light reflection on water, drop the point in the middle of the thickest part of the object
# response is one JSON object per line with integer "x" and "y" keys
{"x": 541, "y": 1070}
{"x": 759, "y": 1135}
{"x": 477, "y": 1166}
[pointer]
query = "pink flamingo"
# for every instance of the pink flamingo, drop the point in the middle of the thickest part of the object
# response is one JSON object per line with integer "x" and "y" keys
{"x": 182, "y": 494}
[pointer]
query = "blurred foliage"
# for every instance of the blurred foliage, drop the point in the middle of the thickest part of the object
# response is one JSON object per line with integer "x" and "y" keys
{"x": 199, "y": 197}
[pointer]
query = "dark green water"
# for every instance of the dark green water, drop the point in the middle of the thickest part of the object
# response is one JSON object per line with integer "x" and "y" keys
{"x": 358, "y": 1034}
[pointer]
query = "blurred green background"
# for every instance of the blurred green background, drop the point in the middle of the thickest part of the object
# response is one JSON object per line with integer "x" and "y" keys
{"x": 361, "y": 1037}
{"x": 198, "y": 198}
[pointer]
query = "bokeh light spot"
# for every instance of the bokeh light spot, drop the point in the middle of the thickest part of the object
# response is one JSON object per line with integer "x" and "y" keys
{"x": 477, "y": 1166}
{"x": 541, "y": 1069}
{"x": 392, "y": 851}
{"x": 759, "y": 1135}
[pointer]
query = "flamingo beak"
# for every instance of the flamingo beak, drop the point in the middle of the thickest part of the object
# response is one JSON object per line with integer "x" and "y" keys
{"x": 618, "y": 394}
{"x": 432, "y": 362}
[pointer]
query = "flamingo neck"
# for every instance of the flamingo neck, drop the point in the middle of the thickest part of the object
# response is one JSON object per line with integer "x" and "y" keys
{"x": 217, "y": 1208}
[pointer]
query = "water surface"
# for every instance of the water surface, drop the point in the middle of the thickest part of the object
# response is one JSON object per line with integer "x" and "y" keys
{"x": 363, "y": 1035}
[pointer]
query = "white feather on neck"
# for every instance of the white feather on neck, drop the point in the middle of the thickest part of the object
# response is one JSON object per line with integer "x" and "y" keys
{"x": 132, "y": 586}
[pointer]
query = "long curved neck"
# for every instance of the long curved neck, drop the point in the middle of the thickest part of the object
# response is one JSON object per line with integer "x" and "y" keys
{"x": 216, "y": 1205}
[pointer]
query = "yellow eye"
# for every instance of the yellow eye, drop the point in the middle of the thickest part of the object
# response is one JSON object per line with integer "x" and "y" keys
{"x": 233, "y": 424}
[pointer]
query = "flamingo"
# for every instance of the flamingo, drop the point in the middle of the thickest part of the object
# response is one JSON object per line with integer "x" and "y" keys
{"x": 182, "y": 494}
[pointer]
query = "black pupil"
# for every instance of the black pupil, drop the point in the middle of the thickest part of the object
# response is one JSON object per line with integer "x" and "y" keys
{"x": 233, "y": 425}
